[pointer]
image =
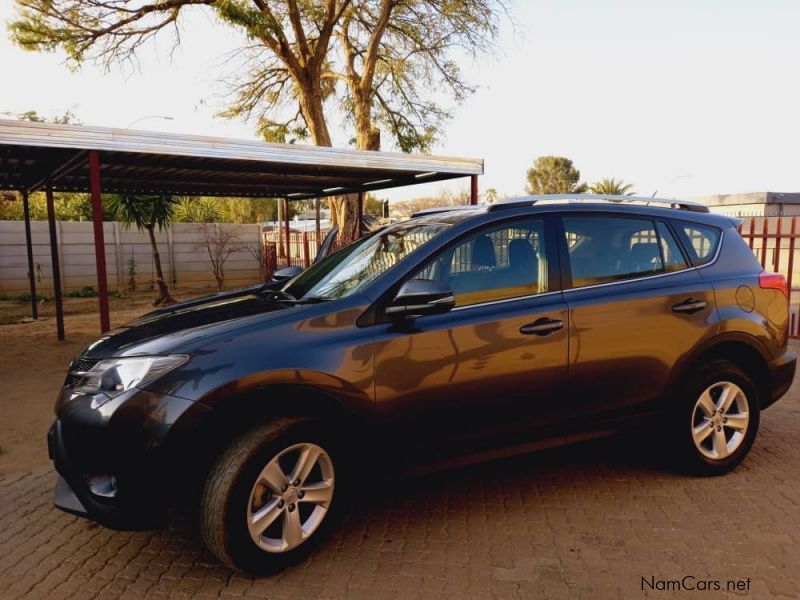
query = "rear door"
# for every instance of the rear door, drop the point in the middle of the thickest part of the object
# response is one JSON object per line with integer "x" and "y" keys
{"x": 635, "y": 308}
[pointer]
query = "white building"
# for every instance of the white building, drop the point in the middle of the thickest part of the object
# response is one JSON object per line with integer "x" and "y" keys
{"x": 754, "y": 204}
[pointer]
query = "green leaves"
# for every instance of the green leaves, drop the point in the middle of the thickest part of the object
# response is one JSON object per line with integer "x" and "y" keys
{"x": 554, "y": 175}
{"x": 612, "y": 187}
{"x": 388, "y": 64}
{"x": 145, "y": 212}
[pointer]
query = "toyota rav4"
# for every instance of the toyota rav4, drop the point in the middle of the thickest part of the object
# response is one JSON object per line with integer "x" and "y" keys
{"x": 451, "y": 336}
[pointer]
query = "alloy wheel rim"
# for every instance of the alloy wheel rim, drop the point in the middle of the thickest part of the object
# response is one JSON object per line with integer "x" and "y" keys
{"x": 720, "y": 420}
{"x": 290, "y": 497}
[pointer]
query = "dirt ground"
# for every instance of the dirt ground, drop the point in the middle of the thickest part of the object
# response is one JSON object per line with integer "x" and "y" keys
{"x": 33, "y": 366}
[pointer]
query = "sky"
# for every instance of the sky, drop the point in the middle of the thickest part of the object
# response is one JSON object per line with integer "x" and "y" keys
{"x": 678, "y": 97}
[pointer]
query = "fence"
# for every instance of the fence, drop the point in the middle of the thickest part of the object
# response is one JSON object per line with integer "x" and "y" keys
{"x": 182, "y": 246}
{"x": 774, "y": 242}
{"x": 301, "y": 251}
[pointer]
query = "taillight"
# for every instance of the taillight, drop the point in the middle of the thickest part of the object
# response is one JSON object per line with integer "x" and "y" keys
{"x": 773, "y": 281}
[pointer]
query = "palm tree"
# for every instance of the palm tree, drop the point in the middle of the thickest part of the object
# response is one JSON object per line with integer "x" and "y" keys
{"x": 147, "y": 213}
{"x": 611, "y": 187}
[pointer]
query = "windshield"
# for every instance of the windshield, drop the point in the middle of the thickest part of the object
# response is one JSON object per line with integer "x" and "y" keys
{"x": 353, "y": 267}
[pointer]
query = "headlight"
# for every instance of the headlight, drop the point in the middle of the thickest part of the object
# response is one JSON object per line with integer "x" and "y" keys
{"x": 116, "y": 375}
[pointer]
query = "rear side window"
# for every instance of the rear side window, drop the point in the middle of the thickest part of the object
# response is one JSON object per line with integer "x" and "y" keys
{"x": 701, "y": 242}
{"x": 607, "y": 249}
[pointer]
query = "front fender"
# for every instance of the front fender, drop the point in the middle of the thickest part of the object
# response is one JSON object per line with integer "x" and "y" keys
{"x": 350, "y": 396}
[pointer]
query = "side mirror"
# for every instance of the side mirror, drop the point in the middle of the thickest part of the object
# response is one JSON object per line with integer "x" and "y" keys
{"x": 286, "y": 273}
{"x": 419, "y": 297}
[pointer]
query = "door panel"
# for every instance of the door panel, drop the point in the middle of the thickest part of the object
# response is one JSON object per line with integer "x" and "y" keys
{"x": 498, "y": 361}
{"x": 472, "y": 372}
{"x": 640, "y": 311}
{"x": 626, "y": 338}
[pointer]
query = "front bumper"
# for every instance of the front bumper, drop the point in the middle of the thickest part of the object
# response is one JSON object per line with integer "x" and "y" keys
{"x": 119, "y": 465}
{"x": 782, "y": 371}
{"x": 74, "y": 495}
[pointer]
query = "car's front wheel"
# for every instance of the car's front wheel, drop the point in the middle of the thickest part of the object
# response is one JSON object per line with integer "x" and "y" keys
{"x": 268, "y": 499}
{"x": 719, "y": 419}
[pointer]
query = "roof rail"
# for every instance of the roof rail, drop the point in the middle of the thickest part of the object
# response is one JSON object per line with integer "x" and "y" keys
{"x": 443, "y": 209}
{"x": 689, "y": 205}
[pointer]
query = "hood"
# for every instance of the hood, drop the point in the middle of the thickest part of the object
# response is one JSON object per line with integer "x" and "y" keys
{"x": 163, "y": 330}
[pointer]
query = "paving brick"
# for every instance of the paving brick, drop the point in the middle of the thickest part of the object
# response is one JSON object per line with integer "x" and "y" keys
{"x": 588, "y": 521}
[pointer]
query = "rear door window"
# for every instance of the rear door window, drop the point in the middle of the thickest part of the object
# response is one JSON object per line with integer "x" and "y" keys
{"x": 604, "y": 249}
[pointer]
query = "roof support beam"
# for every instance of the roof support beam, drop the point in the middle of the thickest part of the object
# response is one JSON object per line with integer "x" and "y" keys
{"x": 99, "y": 238}
{"x": 26, "y": 209}
{"x": 54, "y": 174}
{"x": 55, "y": 270}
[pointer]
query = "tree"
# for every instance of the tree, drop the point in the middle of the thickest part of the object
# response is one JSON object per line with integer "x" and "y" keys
{"x": 611, "y": 187}
{"x": 197, "y": 210}
{"x": 390, "y": 59}
{"x": 69, "y": 206}
{"x": 554, "y": 175}
{"x": 444, "y": 198}
{"x": 220, "y": 242}
{"x": 66, "y": 118}
{"x": 147, "y": 213}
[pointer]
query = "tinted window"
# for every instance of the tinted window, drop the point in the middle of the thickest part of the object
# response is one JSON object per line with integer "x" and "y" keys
{"x": 507, "y": 261}
{"x": 702, "y": 242}
{"x": 605, "y": 249}
{"x": 671, "y": 252}
{"x": 349, "y": 270}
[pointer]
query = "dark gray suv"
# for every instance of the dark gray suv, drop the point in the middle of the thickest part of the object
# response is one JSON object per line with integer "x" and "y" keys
{"x": 440, "y": 339}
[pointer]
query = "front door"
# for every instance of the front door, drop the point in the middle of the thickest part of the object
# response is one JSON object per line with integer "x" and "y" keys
{"x": 495, "y": 363}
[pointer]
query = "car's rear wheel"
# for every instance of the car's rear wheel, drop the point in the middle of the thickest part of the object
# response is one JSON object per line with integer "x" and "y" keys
{"x": 269, "y": 498}
{"x": 719, "y": 419}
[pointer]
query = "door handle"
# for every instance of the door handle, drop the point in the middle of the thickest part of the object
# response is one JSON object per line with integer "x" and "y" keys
{"x": 543, "y": 326}
{"x": 689, "y": 306}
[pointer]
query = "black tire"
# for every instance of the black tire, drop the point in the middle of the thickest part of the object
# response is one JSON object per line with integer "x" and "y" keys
{"x": 689, "y": 457}
{"x": 227, "y": 494}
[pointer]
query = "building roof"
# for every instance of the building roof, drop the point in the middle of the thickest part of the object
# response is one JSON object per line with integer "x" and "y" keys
{"x": 750, "y": 198}
{"x": 163, "y": 163}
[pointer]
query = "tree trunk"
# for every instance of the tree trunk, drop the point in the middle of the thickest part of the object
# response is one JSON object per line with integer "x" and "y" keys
{"x": 346, "y": 207}
{"x": 342, "y": 207}
{"x": 164, "y": 297}
{"x": 316, "y": 222}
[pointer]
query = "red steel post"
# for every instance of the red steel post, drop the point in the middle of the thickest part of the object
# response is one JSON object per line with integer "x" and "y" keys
{"x": 99, "y": 238}
{"x": 776, "y": 257}
{"x": 306, "y": 253}
{"x": 473, "y": 189}
{"x": 288, "y": 239}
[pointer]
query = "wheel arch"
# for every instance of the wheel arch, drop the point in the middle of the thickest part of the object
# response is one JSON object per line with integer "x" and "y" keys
{"x": 744, "y": 350}
{"x": 225, "y": 421}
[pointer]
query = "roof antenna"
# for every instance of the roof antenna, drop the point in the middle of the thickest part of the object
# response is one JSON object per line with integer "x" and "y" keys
{"x": 654, "y": 194}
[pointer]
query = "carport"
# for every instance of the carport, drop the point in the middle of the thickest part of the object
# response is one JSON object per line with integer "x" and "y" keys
{"x": 69, "y": 158}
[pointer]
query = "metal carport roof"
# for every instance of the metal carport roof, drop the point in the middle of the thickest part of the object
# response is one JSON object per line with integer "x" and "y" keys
{"x": 76, "y": 158}
{"x": 161, "y": 163}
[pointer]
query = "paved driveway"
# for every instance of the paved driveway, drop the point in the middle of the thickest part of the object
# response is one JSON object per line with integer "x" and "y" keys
{"x": 587, "y": 521}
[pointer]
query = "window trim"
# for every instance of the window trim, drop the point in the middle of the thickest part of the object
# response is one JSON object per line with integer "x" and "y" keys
{"x": 566, "y": 277}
